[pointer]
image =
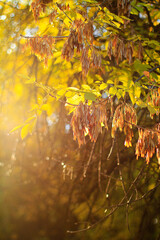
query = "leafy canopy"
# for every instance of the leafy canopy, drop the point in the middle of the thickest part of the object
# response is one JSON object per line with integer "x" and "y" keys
{"x": 93, "y": 67}
{"x": 102, "y": 60}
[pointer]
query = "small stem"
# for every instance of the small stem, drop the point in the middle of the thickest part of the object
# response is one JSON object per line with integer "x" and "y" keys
{"x": 151, "y": 70}
{"x": 139, "y": 127}
{"x": 89, "y": 160}
{"x": 43, "y": 36}
{"x": 63, "y": 12}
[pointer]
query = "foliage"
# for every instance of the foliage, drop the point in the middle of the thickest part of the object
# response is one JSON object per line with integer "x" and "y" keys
{"x": 85, "y": 71}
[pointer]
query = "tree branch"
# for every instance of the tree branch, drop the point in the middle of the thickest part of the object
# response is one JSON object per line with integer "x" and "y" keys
{"x": 151, "y": 70}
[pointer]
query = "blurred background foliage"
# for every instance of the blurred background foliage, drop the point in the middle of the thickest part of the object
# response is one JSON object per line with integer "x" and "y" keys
{"x": 43, "y": 191}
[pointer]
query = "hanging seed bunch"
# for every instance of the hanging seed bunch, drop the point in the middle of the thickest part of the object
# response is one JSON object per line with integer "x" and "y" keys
{"x": 69, "y": 46}
{"x": 124, "y": 7}
{"x": 148, "y": 143}
{"x": 52, "y": 16}
{"x": 96, "y": 59}
{"x": 79, "y": 31}
{"x": 88, "y": 119}
{"x": 119, "y": 49}
{"x": 88, "y": 31}
{"x": 42, "y": 47}
{"x": 123, "y": 119}
{"x": 154, "y": 100}
{"x": 78, "y": 24}
{"x": 85, "y": 61}
{"x": 85, "y": 30}
{"x": 140, "y": 51}
{"x": 80, "y": 37}
{"x": 63, "y": 7}
{"x": 38, "y": 7}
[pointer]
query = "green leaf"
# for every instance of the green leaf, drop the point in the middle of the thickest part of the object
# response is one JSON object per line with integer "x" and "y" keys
{"x": 154, "y": 42}
{"x": 90, "y": 96}
{"x": 139, "y": 8}
{"x": 130, "y": 83}
{"x": 134, "y": 11}
{"x": 141, "y": 104}
{"x": 126, "y": 18}
{"x": 140, "y": 67}
{"x": 119, "y": 93}
{"x": 151, "y": 110}
{"x": 119, "y": 19}
{"x": 116, "y": 24}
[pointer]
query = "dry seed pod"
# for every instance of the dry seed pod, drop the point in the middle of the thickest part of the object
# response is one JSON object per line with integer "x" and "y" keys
{"x": 153, "y": 99}
{"x": 88, "y": 119}
{"x": 41, "y": 46}
{"x": 85, "y": 60}
{"x": 118, "y": 49}
{"x": 145, "y": 146}
{"x": 149, "y": 143}
{"x": 52, "y": 16}
{"x": 38, "y": 6}
{"x": 96, "y": 59}
{"x": 140, "y": 51}
{"x": 123, "y": 119}
{"x": 88, "y": 31}
{"x": 124, "y": 7}
{"x": 70, "y": 44}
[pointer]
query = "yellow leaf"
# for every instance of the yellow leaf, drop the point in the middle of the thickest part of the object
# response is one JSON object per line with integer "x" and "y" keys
{"x": 30, "y": 81}
{"x": 67, "y": 22}
{"x": 30, "y": 119}
{"x": 79, "y": 16}
{"x": 15, "y": 128}
{"x": 86, "y": 87}
{"x": 25, "y": 131}
{"x": 28, "y": 128}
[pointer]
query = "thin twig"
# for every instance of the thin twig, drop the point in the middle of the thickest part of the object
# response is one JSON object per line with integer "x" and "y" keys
{"x": 111, "y": 149}
{"x": 151, "y": 70}
{"x": 119, "y": 168}
{"x": 89, "y": 160}
{"x": 99, "y": 165}
{"x": 63, "y": 12}
{"x": 7, "y": 4}
{"x": 60, "y": 100}
{"x": 108, "y": 184}
{"x": 43, "y": 36}
{"x": 114, "y": 209}
{"x": 122, "y": 182}
{"x": 140, "y": 127}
